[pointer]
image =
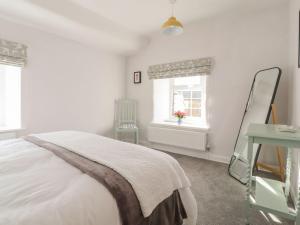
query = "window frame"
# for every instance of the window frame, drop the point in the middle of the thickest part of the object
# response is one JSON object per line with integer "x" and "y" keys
{"x": 188, "y": 120}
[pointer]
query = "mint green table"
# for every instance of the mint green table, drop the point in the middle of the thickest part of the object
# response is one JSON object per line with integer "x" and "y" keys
{"x": 264, "y": 194}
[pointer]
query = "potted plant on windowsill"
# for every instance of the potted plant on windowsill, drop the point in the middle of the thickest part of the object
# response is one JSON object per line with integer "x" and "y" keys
{"x": 179, "y": 115}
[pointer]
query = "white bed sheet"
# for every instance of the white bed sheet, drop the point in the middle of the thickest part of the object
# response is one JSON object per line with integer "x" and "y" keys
{"x": 38, "y": 188}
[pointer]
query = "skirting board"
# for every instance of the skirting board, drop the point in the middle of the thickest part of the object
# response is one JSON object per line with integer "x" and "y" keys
{"x": 187, "y": 152}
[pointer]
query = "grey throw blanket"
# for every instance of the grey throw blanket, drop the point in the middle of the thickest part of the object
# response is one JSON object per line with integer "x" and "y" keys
{"x": 169, "y": 212}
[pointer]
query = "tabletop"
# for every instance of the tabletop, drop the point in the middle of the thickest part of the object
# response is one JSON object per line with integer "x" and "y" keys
{"x": 272, "y": 131}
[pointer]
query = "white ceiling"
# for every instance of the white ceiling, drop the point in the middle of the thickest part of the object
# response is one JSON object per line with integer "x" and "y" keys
{"x": 144, "y": 16}
{"x": 120, "y": 26}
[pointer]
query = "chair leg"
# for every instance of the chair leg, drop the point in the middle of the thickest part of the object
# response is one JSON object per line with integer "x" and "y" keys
{"x": 137, "y": 137}
{"x": 116, "y": 135}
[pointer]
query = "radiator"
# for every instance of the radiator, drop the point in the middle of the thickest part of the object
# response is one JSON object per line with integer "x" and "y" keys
{"x": 191, "y": 139}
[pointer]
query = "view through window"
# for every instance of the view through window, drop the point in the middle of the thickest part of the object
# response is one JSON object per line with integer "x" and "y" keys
{"x": 188, "y": 95}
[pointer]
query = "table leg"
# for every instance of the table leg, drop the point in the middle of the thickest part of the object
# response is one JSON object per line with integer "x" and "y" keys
{"x": 249, "y": 178}
{"x": 288, "y": 173}
{"x": 297, "y": 222}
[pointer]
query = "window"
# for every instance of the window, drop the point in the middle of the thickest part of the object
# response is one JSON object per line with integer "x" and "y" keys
{"x": 188, "y": 95}
{"x": 10, "y": 97}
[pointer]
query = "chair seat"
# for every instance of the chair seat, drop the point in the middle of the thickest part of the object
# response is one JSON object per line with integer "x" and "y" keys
{"x": 127, "y": 126}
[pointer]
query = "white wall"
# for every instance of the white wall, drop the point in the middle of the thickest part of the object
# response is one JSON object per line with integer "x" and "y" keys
{"x": 66, "y": 85}
{"x": 295, "y": 81}
{"x": 240, "y": 44}
{"x": 2, "y": 100}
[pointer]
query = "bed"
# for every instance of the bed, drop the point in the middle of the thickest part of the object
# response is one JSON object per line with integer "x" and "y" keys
{"x": 42, "y": 184}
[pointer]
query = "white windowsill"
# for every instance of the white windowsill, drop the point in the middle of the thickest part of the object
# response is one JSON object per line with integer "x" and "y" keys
{"x": 183, "y": 126}
{"x": 8, "y": 129}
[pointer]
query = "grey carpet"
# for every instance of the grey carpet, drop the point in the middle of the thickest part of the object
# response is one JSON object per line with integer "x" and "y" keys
{"x": 220, "y": 198}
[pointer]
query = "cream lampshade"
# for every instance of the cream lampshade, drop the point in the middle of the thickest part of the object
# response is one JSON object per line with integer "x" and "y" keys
{"x": 172, "y": 27}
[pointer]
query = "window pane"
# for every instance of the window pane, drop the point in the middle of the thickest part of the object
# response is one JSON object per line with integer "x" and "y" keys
{"x": 196, "y": 112}
{"x": 178, "y": 101}
{"x": 187, "y": 111}
{"x": 187, "y": 103}
{"x": 196, "y": 103}
{"x": 196, "y": 94}
{"x": 178, "y": 92}
{"x": 187, "y": 81}
{"x": 186, "y": 94}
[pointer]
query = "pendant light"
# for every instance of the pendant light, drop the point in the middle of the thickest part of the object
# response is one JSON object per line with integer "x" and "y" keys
{"x": 172, "y": 26}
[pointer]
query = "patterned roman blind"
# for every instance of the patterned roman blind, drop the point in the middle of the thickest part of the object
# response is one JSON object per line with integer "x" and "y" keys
{"x": 187, "y": 68}
{"x": 12, "y": 53}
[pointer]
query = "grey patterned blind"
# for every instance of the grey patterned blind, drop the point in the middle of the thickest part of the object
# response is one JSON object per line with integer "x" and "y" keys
{"x": 194, "y": 67}
{"x": 12, "y": 53}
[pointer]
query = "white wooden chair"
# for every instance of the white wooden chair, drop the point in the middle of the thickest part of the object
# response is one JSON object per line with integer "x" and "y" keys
{"x": 125, "y": 118}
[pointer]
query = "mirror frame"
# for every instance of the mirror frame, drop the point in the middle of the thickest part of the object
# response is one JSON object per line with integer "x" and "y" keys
{"x": 266, "y": 120}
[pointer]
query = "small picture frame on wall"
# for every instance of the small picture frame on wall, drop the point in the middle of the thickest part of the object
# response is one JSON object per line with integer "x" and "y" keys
{"x": 137, "y": 77}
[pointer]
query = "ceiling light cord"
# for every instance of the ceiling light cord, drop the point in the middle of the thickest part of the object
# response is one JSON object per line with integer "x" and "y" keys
{"x": 173, "y": 6}
{"x": 173, "y": 2}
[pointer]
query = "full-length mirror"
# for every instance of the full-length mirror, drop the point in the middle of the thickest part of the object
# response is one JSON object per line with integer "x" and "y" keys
{"x": 258, "y": 109}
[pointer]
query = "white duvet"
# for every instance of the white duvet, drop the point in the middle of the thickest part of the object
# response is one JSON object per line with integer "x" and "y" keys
{"x": 38, "y": 188}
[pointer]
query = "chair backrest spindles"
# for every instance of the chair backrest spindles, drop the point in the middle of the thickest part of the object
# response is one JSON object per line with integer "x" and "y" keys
{"x": 125, "y": 111}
